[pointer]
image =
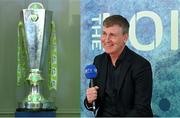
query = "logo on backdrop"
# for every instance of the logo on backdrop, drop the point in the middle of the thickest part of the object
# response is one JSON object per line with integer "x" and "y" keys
{"x": 96, "y": 30}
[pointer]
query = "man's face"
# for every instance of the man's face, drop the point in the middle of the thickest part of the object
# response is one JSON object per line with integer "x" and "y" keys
{"x": 113, "y": 39}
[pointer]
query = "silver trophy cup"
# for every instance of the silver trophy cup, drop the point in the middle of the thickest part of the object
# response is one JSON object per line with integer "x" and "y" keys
{"x": 37, "y": 27}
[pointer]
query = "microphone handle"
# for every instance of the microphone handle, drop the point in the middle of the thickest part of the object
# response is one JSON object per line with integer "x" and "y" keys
{"x": 93, "y": 105}
{"x": 92, "y": 83}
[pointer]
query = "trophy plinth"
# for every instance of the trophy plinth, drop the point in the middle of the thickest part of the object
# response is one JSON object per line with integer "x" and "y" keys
{"x": 35, "y": 101}
{"x": 44, "y": 105}
{"x": 37, "y": 28}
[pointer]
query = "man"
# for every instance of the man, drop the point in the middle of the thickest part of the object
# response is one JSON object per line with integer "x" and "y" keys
{"x": 123, "y": 86}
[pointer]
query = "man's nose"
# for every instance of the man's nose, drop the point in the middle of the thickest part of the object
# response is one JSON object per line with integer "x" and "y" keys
{"x": 107, "y": 39}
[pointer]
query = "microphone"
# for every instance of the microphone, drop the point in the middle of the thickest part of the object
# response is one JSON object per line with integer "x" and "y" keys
{"x": 91, "y": 73}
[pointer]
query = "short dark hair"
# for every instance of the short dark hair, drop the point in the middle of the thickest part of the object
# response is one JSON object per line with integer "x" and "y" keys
{"x": 117, "y": 20}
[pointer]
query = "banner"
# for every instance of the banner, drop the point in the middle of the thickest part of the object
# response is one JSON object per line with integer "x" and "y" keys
{"x": 154, "y": 34}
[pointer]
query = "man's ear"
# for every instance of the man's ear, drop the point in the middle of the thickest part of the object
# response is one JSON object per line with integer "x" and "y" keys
{"x": 125, "y": 37}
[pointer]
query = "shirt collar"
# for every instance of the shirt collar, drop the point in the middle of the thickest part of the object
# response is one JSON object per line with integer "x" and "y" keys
{"x": 121, "y": 56}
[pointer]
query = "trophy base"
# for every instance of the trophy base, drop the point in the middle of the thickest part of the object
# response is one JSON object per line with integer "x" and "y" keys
{"x": 36, "y": 106}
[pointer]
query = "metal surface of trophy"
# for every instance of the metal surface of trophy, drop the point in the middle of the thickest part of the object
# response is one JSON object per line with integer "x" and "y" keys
{"x": 37, "y": 26}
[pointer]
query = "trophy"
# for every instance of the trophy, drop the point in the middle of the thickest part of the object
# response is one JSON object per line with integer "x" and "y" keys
{"x": 36, "y": 48}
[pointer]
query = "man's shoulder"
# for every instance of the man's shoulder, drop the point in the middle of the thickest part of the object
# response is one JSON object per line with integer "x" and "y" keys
{"x": 102, "y": 55}
{"x": 137, "y": 58}
{"x": 100, "y": 58}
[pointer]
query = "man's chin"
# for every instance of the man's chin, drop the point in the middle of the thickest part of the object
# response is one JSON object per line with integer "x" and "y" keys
{"x": 108, "y": 52}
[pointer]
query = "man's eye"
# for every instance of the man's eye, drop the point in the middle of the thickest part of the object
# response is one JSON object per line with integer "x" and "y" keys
{"x": 112, "y": 34}
{"x": 103, "y": 33}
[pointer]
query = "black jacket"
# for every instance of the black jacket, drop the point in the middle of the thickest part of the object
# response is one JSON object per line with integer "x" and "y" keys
{"x": 134, "y": 86}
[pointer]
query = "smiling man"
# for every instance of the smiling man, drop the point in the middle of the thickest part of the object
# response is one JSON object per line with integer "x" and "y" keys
{"x": 123, "y": 86}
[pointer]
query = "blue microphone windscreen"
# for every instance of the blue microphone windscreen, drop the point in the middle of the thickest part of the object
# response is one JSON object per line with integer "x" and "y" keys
{"x": 90, "y": 71}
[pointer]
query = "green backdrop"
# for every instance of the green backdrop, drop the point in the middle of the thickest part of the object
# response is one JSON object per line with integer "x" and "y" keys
{"x": 67, "y": 19}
